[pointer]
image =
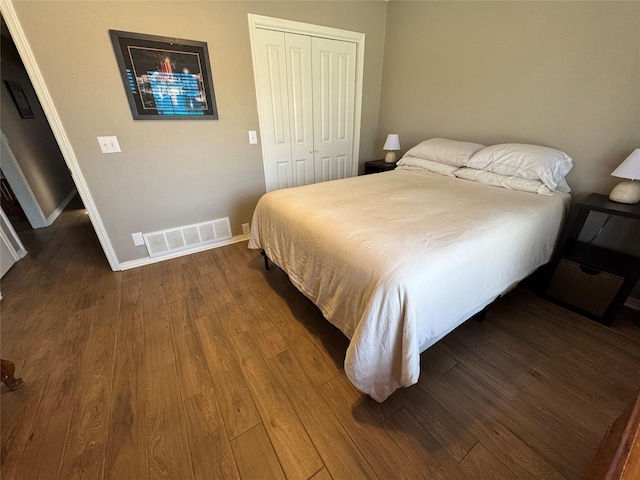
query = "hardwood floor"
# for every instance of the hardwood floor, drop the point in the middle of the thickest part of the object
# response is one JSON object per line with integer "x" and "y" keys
{"x": 208, "y": 367}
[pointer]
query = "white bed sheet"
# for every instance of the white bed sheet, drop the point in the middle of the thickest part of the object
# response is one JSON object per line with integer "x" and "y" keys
{"x": 396, "y": 260}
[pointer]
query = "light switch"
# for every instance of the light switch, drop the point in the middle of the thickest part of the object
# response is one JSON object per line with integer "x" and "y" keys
{"x": 109, "y": 144}
{"x": 253, "y": 137}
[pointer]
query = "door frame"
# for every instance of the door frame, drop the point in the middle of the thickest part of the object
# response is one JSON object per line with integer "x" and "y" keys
{"x": 21, "y": 189}
{"x": 289, "y": 26}
{"x": 42, "y": 92}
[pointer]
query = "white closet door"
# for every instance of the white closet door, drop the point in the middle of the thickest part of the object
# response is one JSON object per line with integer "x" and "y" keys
{"x": 273, "y": 108}
{"x": 306, "y": 92}
{"x": 298, "y": 50}
{"x": 334, "y": 64}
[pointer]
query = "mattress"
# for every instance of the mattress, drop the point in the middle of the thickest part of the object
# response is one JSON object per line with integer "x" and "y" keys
{"x": 396, "y": 260}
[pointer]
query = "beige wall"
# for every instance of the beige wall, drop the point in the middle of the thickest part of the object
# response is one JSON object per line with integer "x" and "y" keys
{"x": 561, "y": 74}
{"x": 173, "y": 173}
{"x": 31, "y": 139}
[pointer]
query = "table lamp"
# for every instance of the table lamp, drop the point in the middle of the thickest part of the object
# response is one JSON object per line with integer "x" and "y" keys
{"x": 392, "y": 143}
{"x": 629, "y": 190}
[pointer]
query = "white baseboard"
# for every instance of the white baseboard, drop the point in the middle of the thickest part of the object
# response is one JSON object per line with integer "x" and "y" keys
{"x": 56, "y": 213}
{"x": 141, "y": 262}
{"x": 633, "y": 303}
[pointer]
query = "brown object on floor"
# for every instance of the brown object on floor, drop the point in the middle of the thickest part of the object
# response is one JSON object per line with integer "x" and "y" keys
{"x": 8, "y": 369}
{"x": 618, "y": 457}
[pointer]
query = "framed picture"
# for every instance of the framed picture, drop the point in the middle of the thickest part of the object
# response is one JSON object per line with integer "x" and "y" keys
{"x": 20, "y": 99}
{"x": 165, "y": 78}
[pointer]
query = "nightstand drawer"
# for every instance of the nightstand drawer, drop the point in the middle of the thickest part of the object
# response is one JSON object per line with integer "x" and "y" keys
{"x": 588, "y": 290}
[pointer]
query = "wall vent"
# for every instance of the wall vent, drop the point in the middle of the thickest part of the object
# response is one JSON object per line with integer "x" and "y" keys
{"x": 184, "y": 238}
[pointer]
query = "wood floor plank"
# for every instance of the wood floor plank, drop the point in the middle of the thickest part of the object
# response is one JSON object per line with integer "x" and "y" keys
{"x": 174, "y": 286}
{"x": 559, "y": 448}
{"x": 166, "y": 430}
{"x": 381, "y": 411}
{"x": 322, "y": 475}
{"x": 158, "y": 343}
{"x": 84, "y": 453}
{"x": 444, "y": 427}
{"x": 57, "y": 405}
{"x": 339, "y": 453}
{"x": 234, "y": 399}
{"x": 255, "y": 456}
{"x": 494, "y": 372}
{"x": 317, "y": 364}
{"x": 206, "y": 294}
{"x": 559, "y": 365}
{"x": 574, "y": 404}
{"x": 384, "y": 455}
{"x": 127, "y": 452}
{"x": 88, "y": 287}
{"x": 420, "y": 446}
{"x": 296, "y": 452}
{"x": 235, "y": 317}
{"x": 524, "y": 373}
{"x": 486, "y": 425}
{"x": 481, "y": 464}
{"x": 15, "y": 433}
{"x": 193, "y": 374}
{"x": 211, "y": 454}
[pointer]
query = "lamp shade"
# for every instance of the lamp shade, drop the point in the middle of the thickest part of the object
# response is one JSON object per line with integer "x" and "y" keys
{"x": 630, "y": 168}
{"x": 392, "y": 143}
{"x": 629, "y": 190}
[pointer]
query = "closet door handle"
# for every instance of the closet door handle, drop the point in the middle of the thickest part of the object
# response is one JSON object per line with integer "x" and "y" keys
{"x": 310, "y": 151}
{"x": 316, "y": 150}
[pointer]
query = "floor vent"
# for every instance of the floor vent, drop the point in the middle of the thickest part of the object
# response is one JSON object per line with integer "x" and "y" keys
{"x": 187, "y": 237}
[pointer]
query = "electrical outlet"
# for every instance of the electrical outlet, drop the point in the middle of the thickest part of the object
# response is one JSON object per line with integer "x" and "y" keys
{"x": 109, "y": 144}
{"x": 246, "y": 228}
{"x": 138, "y": 239}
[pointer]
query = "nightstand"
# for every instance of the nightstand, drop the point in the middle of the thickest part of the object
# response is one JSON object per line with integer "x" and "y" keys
{"x": 377, "y": 166}
{"x": 591, "y": 280}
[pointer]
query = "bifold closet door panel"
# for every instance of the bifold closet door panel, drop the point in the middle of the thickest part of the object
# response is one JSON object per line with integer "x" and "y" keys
{"x": 333, "y": 69}
{"x": 273, "y": 108}
{"x": 300, "y": 88}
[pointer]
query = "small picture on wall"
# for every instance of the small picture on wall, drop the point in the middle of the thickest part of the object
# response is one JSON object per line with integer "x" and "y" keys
{"x": 20, "y": 99}
{"x": 165, "y": 78}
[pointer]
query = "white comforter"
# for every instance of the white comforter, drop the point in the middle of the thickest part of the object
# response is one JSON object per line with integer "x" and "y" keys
{"x": 395, "y": 260}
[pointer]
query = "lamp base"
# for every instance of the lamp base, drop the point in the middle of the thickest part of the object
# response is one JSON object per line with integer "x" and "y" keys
{"x": 626, "y": 192}
{"x": 390, "y": 157}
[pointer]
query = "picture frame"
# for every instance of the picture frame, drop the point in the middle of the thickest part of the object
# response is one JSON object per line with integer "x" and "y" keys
{"x": 165, "y": 78}
{"x": 20, "y": 99}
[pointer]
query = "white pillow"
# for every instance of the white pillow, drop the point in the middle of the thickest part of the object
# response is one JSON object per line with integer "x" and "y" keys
{"x": 531, "y": 162}
{"x": 414, "y": 163}
{"x": 441, "y": 150}
{"x": 504, "y": 181}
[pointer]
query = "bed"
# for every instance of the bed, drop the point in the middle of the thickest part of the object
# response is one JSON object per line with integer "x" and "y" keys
{"x": 397, "y": 260}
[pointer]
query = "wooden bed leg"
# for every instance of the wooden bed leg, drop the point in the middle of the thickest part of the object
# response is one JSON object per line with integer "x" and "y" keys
{"x": 266, "y": 259}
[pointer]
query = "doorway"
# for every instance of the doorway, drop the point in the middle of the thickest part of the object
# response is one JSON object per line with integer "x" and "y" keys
{"x": 35, "y": 184}
{"x": 17, "y": 35}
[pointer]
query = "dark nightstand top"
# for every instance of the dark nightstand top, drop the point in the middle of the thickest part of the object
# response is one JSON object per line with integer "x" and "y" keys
{"x": 601, "y": 203}
{"x": 376, "y": 166}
